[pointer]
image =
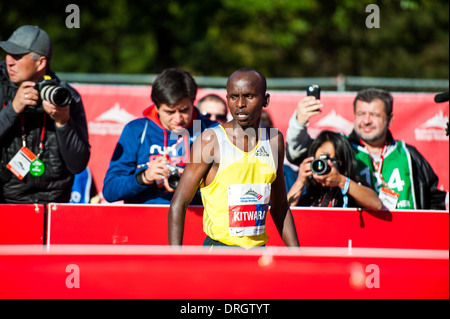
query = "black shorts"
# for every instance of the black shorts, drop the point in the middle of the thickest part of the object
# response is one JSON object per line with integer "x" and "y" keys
{"x": 209, "y": 242}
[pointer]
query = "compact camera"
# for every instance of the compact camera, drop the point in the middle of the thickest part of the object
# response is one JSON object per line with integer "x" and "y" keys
{"x": 319, "y": 166}
{"x": 174, "y": 176}
{"x": 313, "y": 90}
{"x": 50, "y": 90}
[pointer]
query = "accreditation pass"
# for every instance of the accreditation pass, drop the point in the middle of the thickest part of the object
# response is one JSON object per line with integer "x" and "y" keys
{"x": 20, "y": 163}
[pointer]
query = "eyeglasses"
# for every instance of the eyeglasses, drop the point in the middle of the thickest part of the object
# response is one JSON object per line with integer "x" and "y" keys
{"x": 219, "y": 117}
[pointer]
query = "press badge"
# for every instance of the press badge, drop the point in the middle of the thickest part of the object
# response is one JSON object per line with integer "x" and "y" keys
{"x": 389, "y": 198}
{"x": 20, "y": 163}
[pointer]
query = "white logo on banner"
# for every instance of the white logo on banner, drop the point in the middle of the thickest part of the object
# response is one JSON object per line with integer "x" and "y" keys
{"x": 332, "y": 122}
{"x": 433, "y": 129}
{"x": 111, "y": 122}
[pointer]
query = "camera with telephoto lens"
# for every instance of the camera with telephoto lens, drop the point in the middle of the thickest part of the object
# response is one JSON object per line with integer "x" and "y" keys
{"x": 50, "y": 90}
{"x": 319, "y": 166}
{"x": 174, "y": 176}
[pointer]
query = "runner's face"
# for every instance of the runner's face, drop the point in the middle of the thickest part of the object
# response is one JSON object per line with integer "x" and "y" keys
{"x": 371, "y": 121}
{"x": 177, "y": 116}
{"x": 246, "y": 98}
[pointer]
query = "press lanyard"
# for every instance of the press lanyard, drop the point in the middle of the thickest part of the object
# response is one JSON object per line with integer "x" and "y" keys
{"x": 378, "y": 166}
{"x": 24, "y": 135}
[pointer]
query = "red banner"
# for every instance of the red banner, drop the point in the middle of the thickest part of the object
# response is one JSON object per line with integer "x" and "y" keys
{"x": 418, "y": 120}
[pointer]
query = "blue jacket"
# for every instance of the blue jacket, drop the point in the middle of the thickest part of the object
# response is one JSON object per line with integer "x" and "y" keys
{"x": 82, "y": 187}
{"x": 142, "y": 140}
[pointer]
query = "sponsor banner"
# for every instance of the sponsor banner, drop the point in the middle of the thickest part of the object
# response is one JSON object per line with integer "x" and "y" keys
{"x": 418, "y": 120}
{"x": 108, "y": 109}
{"x": 110, "y": 122}
{"x": 433, "y": 129}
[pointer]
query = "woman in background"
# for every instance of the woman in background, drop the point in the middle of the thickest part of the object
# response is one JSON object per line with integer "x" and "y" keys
{"x": 337, "y": 186}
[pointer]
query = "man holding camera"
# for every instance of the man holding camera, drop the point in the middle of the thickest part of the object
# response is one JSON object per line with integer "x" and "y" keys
{"x": 153, "y": 150}
{"x": 43, "y": 130}
{"x": 395, "y": 170}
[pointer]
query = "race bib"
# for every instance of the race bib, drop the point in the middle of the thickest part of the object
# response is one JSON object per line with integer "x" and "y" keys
{"x": 248, "y": 206}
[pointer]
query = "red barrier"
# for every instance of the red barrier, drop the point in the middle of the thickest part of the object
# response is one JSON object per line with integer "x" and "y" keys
{"x": 160, "y": 272}
{"x": 21, "y": 224}
{"x": 147, "y": 225}
{"x": 396, "y": 229}
{"x": 126, "y": 267}
{"x": 117, "y": 224}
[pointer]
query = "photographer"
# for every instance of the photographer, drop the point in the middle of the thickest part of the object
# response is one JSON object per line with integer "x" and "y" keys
{"x": 152, "y": 151}
{"x": 399, "y": 174}
{"x": 327, "y": 177}
{"x": 42, "y": 145}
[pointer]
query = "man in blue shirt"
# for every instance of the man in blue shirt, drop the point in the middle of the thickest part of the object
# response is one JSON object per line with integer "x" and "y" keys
{"x": 156, "y": 146}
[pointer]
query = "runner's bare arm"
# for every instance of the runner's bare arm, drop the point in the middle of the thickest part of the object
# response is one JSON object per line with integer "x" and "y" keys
{"x": 201, "y": 159}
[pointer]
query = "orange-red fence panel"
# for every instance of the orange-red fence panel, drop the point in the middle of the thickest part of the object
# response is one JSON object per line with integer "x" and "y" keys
{"x": 147, "y": 225}
{"x": 21, "y": 224}
{"x": 396, "y": 229}
{"x": 117, "y": 224}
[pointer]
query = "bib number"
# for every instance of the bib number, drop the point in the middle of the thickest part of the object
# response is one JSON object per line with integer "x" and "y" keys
{"x": 395, "y": 181}
{"x": 248, "y": 206}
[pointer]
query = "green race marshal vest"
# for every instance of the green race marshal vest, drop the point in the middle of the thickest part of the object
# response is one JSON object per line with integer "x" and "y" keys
{"x": 396, "y": 172}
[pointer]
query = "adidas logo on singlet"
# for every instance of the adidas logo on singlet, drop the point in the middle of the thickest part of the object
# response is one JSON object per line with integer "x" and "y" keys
{"x": 261, "y": 152}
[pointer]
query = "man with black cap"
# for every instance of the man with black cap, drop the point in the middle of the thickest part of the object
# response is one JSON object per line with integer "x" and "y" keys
{"x": 43, "y": 144}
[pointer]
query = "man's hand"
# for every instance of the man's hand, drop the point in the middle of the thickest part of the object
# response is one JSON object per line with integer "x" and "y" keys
{"x": 60, "y": 114}
{"x": 26, "y": 95}
{"x": 158, "y": 171}
{"x": 308, "y": 107}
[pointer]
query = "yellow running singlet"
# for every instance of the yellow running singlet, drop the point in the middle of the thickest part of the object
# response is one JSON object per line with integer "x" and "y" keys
{"x": 236, "y": 203}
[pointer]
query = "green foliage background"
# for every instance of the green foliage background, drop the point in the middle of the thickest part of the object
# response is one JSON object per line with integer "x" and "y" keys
{"x": 282, "y": 38}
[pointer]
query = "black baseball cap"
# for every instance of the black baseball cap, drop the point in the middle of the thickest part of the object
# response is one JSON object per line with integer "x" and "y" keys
{"x": 26, "y": 39}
